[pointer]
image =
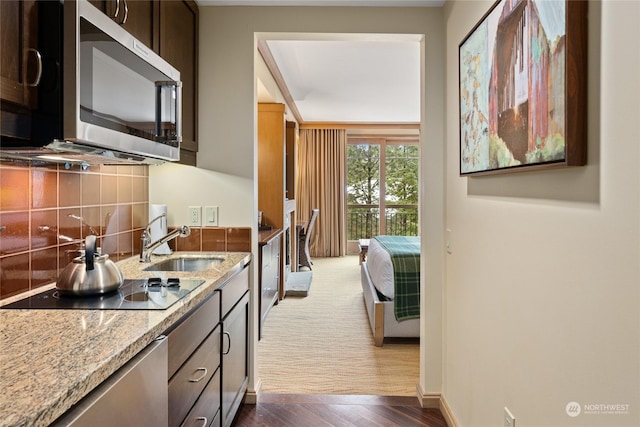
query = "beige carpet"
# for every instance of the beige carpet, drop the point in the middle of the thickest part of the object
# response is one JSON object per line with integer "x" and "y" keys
{"x": 322, "y": 343}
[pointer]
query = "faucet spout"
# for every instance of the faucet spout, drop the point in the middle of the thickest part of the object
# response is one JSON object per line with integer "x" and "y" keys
{"x": 148, "y": 247}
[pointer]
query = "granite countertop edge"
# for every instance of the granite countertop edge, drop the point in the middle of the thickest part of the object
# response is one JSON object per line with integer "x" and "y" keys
{"x": 36, "y": 395}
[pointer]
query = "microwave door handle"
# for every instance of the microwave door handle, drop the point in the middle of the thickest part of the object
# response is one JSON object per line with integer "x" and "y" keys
{"x": 158, "y": 110}
{"x": 179, "y": 111}
{"x": 178, "y": 88}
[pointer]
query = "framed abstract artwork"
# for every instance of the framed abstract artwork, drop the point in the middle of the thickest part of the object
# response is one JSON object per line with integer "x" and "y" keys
{"x": 523, "y": 77}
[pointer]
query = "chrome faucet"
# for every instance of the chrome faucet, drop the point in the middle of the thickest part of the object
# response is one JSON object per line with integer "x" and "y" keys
{"x": 148, "y": 247}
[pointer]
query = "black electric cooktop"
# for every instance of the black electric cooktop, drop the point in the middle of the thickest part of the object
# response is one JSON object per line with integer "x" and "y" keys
{"x": 138, "y": 294}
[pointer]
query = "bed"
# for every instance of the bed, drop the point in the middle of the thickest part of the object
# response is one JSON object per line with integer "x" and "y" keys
{"x": 390, "y": 279}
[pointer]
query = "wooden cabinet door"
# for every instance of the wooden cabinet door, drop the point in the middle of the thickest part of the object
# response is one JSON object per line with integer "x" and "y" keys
{"x": 179, "y": 46}
{"x": 138, "y": 17}
{"x": 271, "y": 163}
{"x": 291, "y": 154}
{"x": 235, "y": 344}
{"x": 100, "y": 4}
{"x": 18, "y": 52}
{"x": 139, "y": 20}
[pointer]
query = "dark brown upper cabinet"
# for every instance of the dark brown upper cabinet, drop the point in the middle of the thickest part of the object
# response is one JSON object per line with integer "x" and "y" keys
{"x": 179, "y": 46}
{"x": 138, "y": 17}
{"x": 19, "y": 56}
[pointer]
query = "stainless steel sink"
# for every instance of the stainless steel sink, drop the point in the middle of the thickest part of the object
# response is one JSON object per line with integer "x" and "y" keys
{"x": 186, "y": 263}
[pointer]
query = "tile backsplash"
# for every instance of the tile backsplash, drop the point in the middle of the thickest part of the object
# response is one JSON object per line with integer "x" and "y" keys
{"x": 47, "y": 211}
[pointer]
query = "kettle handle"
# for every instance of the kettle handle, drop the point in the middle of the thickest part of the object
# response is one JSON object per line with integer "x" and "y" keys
{"x": 89, "y": 251}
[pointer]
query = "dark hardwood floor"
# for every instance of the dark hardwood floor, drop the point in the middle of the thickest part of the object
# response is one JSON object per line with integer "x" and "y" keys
{"x": 309, "y": 410}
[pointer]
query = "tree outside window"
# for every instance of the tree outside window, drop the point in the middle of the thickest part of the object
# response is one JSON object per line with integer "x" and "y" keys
{"x": 382, "y": 200}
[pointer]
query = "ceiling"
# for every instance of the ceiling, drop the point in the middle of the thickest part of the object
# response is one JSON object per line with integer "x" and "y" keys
{"x": 348, "y": 81}
{"x": 352, "y": 79}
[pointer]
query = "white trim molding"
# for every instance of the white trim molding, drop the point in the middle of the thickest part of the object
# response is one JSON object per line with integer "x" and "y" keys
{"x": 437, "y": 400}
{"x": 251, "y": 397}
{"x": 428, "y": 400}
{"x": 447, "y": 413}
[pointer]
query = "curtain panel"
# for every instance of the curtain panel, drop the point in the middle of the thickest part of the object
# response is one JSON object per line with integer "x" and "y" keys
{"x": 321, "y": 184}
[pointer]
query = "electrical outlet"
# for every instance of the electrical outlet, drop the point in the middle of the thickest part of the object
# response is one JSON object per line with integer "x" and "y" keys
{"x": 195, "y": 216}
{"x": 509, "y": 419}
{"x": 211, "y": 216}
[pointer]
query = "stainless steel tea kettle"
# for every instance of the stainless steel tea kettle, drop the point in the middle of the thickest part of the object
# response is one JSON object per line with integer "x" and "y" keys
{"x": 90, "y": 274}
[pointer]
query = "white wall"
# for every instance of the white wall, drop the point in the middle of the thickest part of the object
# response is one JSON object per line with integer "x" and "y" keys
{"x": 227, "y": 116}
{"x": 270, "y": 91}
{"x": 179, "y": 186}
{"x": 542, "y": 303}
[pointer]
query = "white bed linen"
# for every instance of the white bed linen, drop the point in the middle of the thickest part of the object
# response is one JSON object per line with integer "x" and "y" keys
{"x": 380, "y": 269}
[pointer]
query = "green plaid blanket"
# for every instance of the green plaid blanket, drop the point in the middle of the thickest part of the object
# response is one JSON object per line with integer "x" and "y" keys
{"x": 405, "y": 257}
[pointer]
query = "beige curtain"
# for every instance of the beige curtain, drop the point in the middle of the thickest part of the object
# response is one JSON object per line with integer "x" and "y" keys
{"x": 320, "y": 184}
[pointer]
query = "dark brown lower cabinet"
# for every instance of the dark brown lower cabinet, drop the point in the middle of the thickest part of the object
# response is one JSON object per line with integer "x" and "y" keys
{"x": 208, "y": 366}
{"x": 234, "y": 359}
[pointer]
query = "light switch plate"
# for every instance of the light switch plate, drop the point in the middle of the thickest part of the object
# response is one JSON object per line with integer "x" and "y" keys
{"x": 211, "y": 216}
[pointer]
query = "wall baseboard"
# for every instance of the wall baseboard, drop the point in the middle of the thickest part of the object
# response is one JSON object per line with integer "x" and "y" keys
{"x": 428, "y": 400}
{"x": 447, "y": 413}
{"x": 437, "y": 400}
{"x": 251, "y": 396}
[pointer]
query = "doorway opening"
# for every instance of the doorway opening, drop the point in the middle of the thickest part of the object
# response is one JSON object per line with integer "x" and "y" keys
{"x": 271, "y": 87}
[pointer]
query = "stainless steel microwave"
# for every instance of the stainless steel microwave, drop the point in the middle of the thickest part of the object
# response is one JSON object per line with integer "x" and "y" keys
{"x": 120, "y": 101}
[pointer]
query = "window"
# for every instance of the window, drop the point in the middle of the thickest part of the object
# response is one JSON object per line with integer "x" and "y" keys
{"x": 382, "y": 199}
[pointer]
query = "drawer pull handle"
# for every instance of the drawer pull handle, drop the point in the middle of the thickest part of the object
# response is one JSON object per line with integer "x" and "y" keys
{"x": 229, "y": 347}
{"x": 204, "y": 374}
{"x": 203, "y": 419}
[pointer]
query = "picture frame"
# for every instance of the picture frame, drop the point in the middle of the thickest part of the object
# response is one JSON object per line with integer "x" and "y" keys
{"x": 523, "y": 88}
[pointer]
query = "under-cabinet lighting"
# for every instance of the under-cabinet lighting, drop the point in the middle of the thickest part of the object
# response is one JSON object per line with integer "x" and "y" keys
{"x": 58, "y": 159}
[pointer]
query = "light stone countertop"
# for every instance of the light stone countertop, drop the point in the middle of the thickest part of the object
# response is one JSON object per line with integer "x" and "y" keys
{"x": 50, "y": 359}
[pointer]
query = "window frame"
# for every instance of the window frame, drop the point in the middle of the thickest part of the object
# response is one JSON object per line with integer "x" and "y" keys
{"x": 382, "y": 141}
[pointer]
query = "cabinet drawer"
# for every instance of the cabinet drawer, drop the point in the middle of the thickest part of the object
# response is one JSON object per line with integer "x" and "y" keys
{"x": 204, "y": 412}
{"x": 188, "y": 335}
{"x": 233, "y": 290}
{"x": 191, "y": 379}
